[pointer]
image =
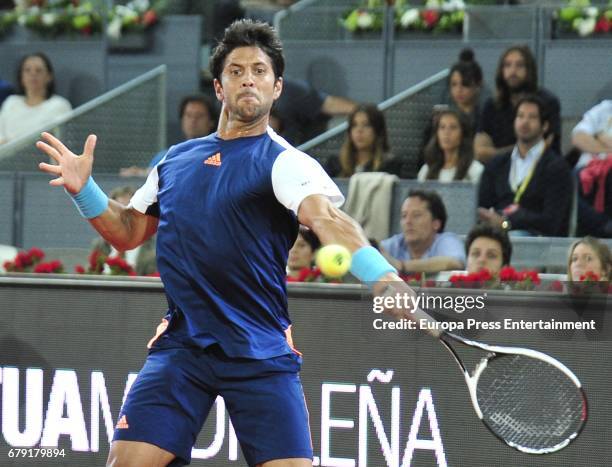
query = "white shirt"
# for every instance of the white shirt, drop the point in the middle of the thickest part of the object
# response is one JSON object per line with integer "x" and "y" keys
{"x": 595, "y": 121}
{"x": 19, "y": 119}
{"x": 520, "y": 166}
{"x": 448, "y": 175}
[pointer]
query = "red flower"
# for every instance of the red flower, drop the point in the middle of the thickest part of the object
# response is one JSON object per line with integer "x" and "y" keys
{"x": 54, "y": 266}
{"x": 36, "y": 253}
{"x": 149, "y": 18}
{"x": 603, "y": 25}
{"x": 589, "y": 276}
{"x": 119, "y": 266}
{"x": 430, "y": 17}
{"x": 96, "y": 262}
{"x": 556, "y": 286}
{"x": 79, "y": 269}
{"x": 507, "y": 273}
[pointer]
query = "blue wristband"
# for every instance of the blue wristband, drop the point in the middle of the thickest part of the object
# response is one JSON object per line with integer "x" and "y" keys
{"x": 368, "y": 265}
{"x": 91, "y": 200}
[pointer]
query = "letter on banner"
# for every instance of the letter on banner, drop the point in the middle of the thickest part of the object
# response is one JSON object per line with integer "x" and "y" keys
{"x": 217, "y": 443}
{"x": 99, "y": 398}
{"x": 368, "y": 404}
{"x": 434, "y": 444}
{"x": 328, "y": 423}
{"x": 65, "y": 392}
{"x": 10, "y": 407}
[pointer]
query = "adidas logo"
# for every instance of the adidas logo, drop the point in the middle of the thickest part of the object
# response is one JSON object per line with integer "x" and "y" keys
{"x": 215, "y": 160}
{"x": 122, "y": 424}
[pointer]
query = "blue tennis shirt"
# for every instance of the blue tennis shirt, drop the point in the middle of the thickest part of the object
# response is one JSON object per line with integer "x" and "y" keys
{"x": 227, "y": 218}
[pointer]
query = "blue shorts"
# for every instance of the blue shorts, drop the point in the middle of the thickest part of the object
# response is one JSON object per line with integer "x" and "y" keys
{"x": 173, "y": 393}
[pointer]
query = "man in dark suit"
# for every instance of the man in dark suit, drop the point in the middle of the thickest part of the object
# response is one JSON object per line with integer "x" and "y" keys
{"x": 529, "y": 189}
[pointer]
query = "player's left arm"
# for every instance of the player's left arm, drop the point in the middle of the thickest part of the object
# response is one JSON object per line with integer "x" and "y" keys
{"x": 333, "y": 226}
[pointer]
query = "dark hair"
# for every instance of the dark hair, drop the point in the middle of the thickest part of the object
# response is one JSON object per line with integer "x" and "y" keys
{"x": 434, "y": 204}
{"x": 531, "y": 81}
{"x": 537, "y": 101}
{"x": 310, "y": 237}
{"x": 50, "y": 85}
{"x": 348, "y": 151}
{"x": 248, "y": 33}
{"x": 468, "y": 68}
{"x": 204, "y": 100}
{"x": 434, "y": 155}
{"x": 493, "y": 232}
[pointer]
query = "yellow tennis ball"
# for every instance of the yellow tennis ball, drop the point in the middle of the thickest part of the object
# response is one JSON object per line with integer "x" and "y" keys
{"x": 333, "y": 260}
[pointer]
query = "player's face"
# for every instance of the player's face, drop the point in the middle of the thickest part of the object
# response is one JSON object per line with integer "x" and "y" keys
{"x": 449, "y": 133}
{"x": 196, "y": 121}
{"x": 584, "y": 260}
{"x": 248, "y": 87}
{"x": 300, "y": 255}
{"x": 527, "y": 125}
{"x": 462, "y": 94}
{"x": 417, "y": 222}
{"x": 362, "y": 133}
{"x": 485, "y": 253}
{"x": 514, "y": 69}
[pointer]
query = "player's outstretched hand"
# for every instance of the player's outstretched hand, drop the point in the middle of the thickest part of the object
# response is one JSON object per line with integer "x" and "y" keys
{"x": 71, "y": 171}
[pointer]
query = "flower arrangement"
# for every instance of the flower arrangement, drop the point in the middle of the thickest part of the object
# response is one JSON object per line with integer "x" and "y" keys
{"x": 135, "y": 16}
{"x": 436, "y": 16}
{"x": 56, "y": 17}
{"x": 312, "y": 275}
{"x": 508, "y": 278}
{"x": 582, "y": 18}
{"x": 31, "y": 261}
{"x": 98, "y": 261}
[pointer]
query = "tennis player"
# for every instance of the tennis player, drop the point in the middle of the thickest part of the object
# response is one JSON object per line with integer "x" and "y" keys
{"x": 226, "y": 209}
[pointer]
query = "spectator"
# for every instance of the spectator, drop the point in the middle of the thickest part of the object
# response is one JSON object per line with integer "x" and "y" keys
{"x": 516, "y": 76}
{"x": 142, "y": 258}
{"x": 593, "y": 134}
{"x": 302, "y": 254}
{"x": 465, "y": 93}
{"x": 448, "y": 155}
{"x": 530, "y": 188}
{"x": 366, "y": 146}
{"x": 306, "y": 111}
{"x": 423, "y": 246}
{"x": 35, "y": 103}
{"x": 589, "y": 258}
{"x": 198, "y": 118}
{"x": 487, "y": 247}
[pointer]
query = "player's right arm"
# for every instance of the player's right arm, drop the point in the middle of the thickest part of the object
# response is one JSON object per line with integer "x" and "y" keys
{"x": 123, "y": 227}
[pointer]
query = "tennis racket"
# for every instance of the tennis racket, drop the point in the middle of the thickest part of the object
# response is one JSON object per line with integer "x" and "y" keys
{"x": 527, "y": 399}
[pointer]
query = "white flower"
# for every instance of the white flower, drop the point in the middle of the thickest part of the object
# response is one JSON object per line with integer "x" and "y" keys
{"x": 586, "y": 26}
{"x": 592, "y": 11}
{"x": 409, "y": 17}
{"x": 141, "y": 5}
{"x": 433, "y": 3}
{"x": 452, "y": 5}
{"x": 21, "y": 20}
{"x": 113, "y": 30}
{"x": 365, "y": 20}
{"x": 48, "y": 19}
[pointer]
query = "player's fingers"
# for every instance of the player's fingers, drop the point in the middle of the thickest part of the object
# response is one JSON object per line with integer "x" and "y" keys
{"x": 50, "y": 168}
{"x": 49, "y": 151}
{"x": 90, "y": 145}
{"x": 59, "y": 181}
{"x": 55, "y": 143}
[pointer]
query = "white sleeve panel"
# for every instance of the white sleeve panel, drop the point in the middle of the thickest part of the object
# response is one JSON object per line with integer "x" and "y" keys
{"x": 146, "y": 195}
{"x": 296, "y": 176}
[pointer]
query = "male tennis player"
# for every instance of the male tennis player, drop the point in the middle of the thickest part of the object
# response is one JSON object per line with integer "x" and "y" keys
{"x": 226, "y": 209}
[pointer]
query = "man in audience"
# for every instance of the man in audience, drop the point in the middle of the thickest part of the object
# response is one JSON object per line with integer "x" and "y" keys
{"x": 198, "y": 118}
{"x": 529, "y": 189}
{"x": 487, "y": 247}
{"x": 516, "y": 76}
{"x": 423, "y": 246}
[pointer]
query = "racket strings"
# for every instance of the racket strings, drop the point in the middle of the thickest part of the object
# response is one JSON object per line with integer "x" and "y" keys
{"x": 529, "y": 403}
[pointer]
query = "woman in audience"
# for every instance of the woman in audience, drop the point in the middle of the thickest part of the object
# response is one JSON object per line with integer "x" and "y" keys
{"x": 589, "y": 259}
{"x": 487, "y": 247}
{"x": 302, "y": 255}
{"x": 464, "y": 93}
{"x": 449, "y": 155}
{"x": 35, "y": 103}
{"x": 366, "y": 147}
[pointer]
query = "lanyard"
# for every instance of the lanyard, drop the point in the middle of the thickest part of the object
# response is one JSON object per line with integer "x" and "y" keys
{"x": 525, "y": 183}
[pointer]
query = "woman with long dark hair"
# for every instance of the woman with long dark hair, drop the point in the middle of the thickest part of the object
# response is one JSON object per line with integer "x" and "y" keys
{"x": 449, "y": 155}
{"x": 366, "y": 147}
{"x": 35, "y": 102}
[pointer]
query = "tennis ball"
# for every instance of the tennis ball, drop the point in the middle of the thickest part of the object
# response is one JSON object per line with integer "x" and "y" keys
{"x": 333, "y": 260}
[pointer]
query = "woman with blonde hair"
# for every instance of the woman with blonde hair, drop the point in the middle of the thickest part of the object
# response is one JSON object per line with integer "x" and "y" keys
{"x": 589, "y": 259}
